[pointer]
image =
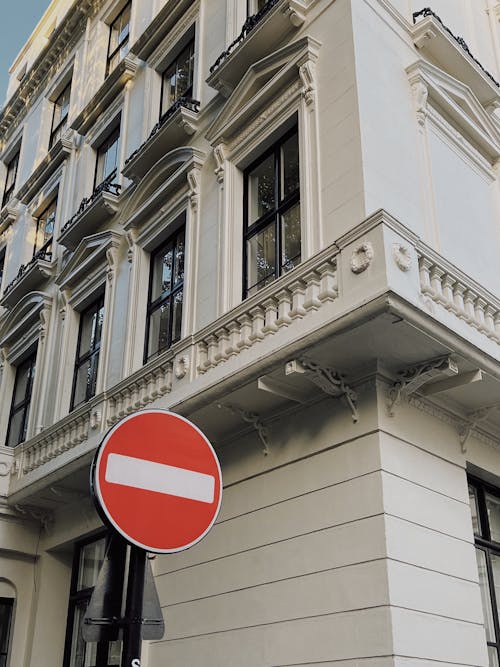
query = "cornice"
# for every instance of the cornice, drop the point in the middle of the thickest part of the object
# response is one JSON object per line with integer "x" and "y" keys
{"x": 64, "y": 37}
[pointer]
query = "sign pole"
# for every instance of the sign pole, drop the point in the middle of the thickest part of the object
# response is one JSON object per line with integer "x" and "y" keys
{"x": 131, "y": 654}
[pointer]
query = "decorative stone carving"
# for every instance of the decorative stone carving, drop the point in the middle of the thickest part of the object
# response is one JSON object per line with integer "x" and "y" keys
{"x": 402, "y": 256}
{"x": 182, "y": 366}
{"x": 362, "y": 257}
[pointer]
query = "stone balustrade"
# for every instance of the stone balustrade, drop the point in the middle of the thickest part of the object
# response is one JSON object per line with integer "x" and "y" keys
{"x": 459, "y": 295}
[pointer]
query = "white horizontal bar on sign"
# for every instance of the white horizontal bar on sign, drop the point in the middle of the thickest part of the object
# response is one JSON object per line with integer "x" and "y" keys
{"x": 161, "y": 478}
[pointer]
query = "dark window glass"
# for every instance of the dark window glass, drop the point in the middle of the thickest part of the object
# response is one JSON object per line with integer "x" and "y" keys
{"x": 21, "y": 401}
{"x": 165, "y": 296}
{"x": 6, "y": 609}
{"x": 272, "y": 215}
{"x": 10, "y": 179}
{"x": 60, "y": 116}
{"x": 107, "y": 158}
{"x": 87, "y": 561}
{"x": 177, "y": 79}
{"x": 87, "y": 354}
{"x": 485, "y": 510}
{"x": 118, "y": 39}
{"x": 44, "y": 231}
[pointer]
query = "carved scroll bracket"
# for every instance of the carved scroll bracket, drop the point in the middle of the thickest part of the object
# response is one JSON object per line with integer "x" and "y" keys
{"x": 474, "y": 418}
{"x": 414, "y": 377}
{"x": 254, "y": 420}
{"x": 328, "y": 380}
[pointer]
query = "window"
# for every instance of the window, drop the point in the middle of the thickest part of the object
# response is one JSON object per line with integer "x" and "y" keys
{"x": 272, "y": 214}
{"x": 87, "y": 560}
{"x": 60, "y": 116}
{"x": 485, "y": 507}
{"x": 107, "y": 158}
{"x": 6, "y": 609}
{"x": 44, "y": 231}
{"x": 118, "y": 39}
{"x": 177, "y": 79}
{"x": 87, "y": 353}
{"x": 10, "y": 179}
{"x": 166, "y": 284}
{"x": 21, "y": 401}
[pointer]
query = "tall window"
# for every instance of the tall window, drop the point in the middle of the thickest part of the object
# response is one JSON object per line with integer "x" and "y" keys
{"x": 118, "y": 39}
{"x": 165, "y": 295}
{"x": 45, "y": 230}
{"x": 21, "y": 401}
{"x": 6, "y": 609}
{"x": 177, "y": 79}
{"x": 87, "y": 353}
{"x": 485, "y": 506}
{"x": 10, "y": 179}
{"x": 60, "y": 115}
{"x": 272, "y": 214}
{"x": 87, "y": 561}
{"x": 107, "y": 158}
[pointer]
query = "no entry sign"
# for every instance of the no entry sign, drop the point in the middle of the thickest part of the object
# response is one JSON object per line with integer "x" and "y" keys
{"x": 158, "y": 481}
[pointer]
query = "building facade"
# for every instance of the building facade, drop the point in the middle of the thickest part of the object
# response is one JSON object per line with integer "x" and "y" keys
{"x": 279, "y": 219}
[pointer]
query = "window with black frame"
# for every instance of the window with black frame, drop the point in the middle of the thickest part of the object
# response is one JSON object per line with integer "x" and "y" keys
{"x": 272, "y": 237}
{"x": 6, "y": 615}
{"x": 60, "y": 115}
{"x": 485, "y": 508}
{"x": 87, "y": 353}
{"x": 107, "y": 159}
{"x": 118, "y": 39}
{"x": 10, "y": 179}
{"x": 87, "y": 561}
{"x": 44, "y": 231}
{"x": 166, "y": 285}
{"x": 177, "y": 79}
{"x": 21, "y": 401}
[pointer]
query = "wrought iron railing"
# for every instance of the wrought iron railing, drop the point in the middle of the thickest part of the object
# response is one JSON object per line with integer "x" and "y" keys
{"x": 106, "y": 186}
{"x": 185, "y": 102}
{"x": 427, "y": 11}
{"x": 248, "y": 26}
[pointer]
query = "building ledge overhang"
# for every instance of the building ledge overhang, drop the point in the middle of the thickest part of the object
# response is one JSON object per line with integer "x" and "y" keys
{"x": 260, "y": 36}
{"x": 106, "y": 95}
{"x": 93, "y": 211}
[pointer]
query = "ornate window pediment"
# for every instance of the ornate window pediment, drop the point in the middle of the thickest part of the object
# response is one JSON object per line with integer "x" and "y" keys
{"x": 258, "y": 38}
{"x": 21, "y": 327}
{"x": 447, "y": 101}
{"x": 163, "y": 192}
{"x": 86, "y": 270}
{"x": 106, "y": 95}
{"x": 288, "y": 72}
{"x": 452, "y": 55}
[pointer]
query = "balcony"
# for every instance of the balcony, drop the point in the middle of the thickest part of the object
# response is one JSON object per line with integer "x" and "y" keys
{"x": 93, "y": 212}
{"x": 260, "y": 36}
{"x": 30, "y": 276}
{"x": 315, "y": 333}
{"x": 173, "y": 129}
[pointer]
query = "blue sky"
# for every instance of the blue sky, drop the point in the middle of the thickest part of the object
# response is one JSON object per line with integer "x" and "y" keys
{"x": 18, "y": 20}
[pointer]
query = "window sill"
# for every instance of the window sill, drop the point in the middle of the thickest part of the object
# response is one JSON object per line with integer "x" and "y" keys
{"x": 52, "y": 160}
{"x": 171, "y": 132}
{"x": 29, "y": 278}
{"x": 91, "y": 214}
{"x": 106, "y": 94}
{"x": 278, "y": 19}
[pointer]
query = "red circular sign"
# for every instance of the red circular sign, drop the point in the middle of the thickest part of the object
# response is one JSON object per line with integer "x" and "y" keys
{"x": 158, "y": 481}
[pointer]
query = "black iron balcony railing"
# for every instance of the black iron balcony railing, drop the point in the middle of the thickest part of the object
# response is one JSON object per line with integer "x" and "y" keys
{"x": 427, "y": 11}
{"x": 45, "y": 254}
{"x": 248, "y": 26}
{"x": 106, "y": 186}
{"x": 185, "y": 102}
